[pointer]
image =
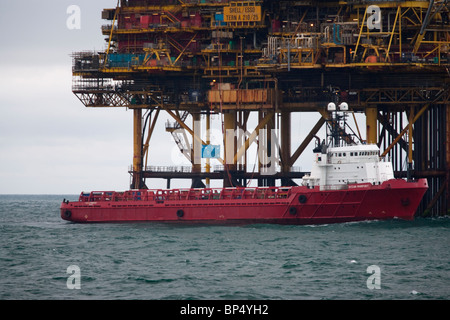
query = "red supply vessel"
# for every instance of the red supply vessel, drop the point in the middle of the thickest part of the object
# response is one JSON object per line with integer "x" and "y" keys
{"x": 347, "y": 183}
{"x": 394, "y": 198}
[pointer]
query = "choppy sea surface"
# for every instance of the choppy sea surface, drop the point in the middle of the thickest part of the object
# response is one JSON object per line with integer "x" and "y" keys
{"x": 367, "y": 260}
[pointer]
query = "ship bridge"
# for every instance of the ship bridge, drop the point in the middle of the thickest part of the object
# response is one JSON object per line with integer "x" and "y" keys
{"x": 354, "y": 153}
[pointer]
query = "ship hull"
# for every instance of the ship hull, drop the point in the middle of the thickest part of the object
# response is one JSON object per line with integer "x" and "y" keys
{"x": 300, "y": 205}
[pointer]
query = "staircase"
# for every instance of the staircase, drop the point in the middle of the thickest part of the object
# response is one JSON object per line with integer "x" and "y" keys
{"x": 179, "y": 136}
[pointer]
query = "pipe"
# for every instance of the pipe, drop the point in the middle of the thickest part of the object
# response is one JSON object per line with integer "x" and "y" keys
{"x": 289, "y": 54}
{"x": 427, "y": 16}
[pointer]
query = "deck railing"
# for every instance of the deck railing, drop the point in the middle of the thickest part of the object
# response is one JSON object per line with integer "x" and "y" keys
{"x": 188, "y": 194}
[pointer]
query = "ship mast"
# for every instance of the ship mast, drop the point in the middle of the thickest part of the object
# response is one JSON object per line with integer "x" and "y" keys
{"x": 337, "y": 135}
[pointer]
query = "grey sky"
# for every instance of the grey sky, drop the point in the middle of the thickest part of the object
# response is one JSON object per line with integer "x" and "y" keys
{"x": 50, "y": 143}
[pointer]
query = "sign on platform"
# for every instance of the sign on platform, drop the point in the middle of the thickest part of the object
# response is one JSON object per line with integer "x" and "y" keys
{"x": 242, "y": 14}
{"x": 210, "y": 151}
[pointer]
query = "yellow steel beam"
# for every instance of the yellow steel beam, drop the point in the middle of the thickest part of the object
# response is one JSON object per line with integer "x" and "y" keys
{"x": 137, "y": 138}
{"x": 307, "y": 140}
{"x": 112, "y": 30}
{"x": 399, "y": 34}
{"x": 399, "y": 10}
{"x": 438, "y": 195}
{"x": 137, "y": 9}
{"x": 253, "y": 136}
{"x": 371, "y": 125}
{"x": 416, "y": 117}
{"x": 285, "y": 140}
{"x": 410, "y": 136}
{"x": 418, "y": 42}
{"x": 137, "y": 147}
{"x": 182, "y": 52}
{"x": 196, "y": 153}
{"x": 394, "y": 4}
{"x": 359, "y": 36}
{"x": 229, "y": 134}
{"x": 167, "y": 30}
{"x": 150, "y": 132}
{"x": 174, "y": 7}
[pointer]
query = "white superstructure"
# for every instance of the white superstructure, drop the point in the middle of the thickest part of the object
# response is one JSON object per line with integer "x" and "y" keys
{"x": 347, "y": 165}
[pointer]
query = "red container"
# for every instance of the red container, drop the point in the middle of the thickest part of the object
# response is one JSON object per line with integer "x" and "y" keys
{"x": 145, "y": 21}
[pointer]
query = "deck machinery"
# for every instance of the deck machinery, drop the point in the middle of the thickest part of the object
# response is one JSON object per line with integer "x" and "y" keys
{"x": 190, "y": 59}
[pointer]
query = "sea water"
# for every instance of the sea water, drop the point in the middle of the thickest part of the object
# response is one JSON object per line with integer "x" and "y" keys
{"x": 43, "y": 257}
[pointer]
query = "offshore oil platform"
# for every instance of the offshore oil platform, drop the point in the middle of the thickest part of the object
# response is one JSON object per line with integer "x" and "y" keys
{"x": 194, "y": 59}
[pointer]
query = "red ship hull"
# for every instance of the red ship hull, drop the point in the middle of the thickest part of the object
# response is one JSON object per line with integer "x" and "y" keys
{"x": 278, "y": 205}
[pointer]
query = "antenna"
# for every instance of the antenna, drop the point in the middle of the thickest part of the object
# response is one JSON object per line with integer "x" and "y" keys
{"x": 335, "y": 130}
{"x": 331, "y": 106}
